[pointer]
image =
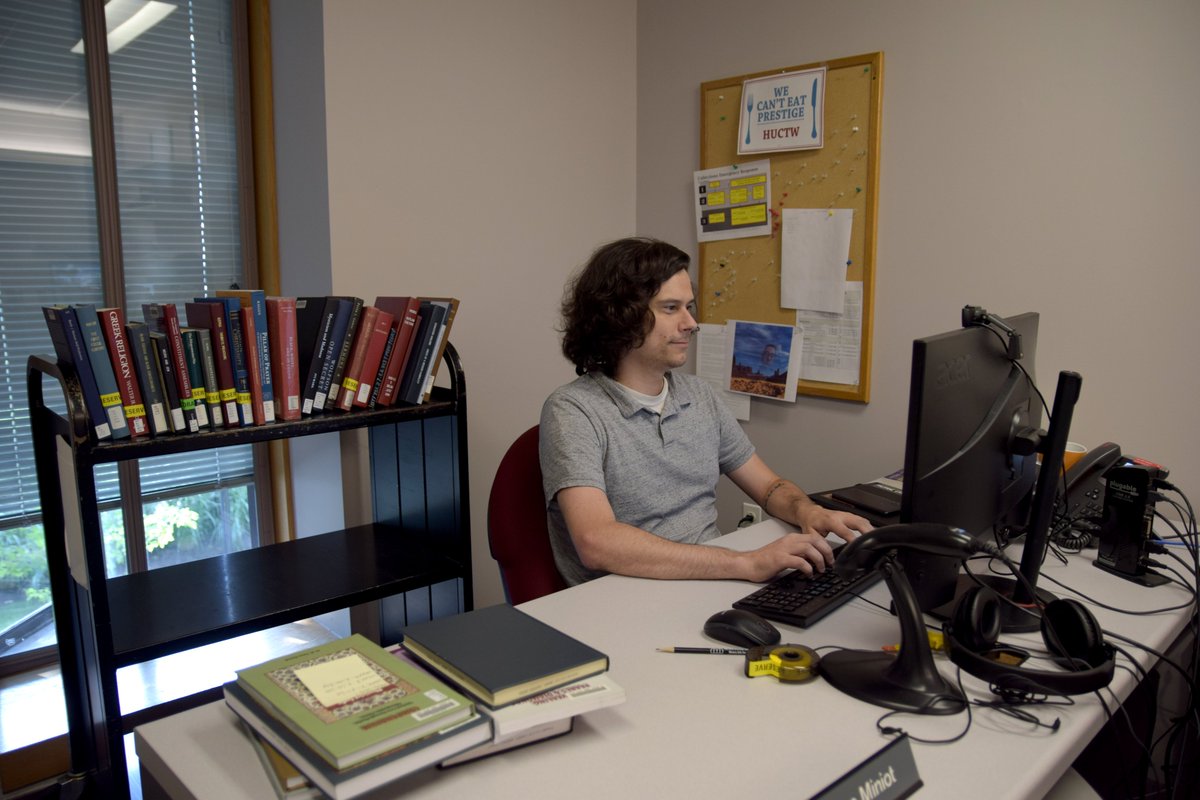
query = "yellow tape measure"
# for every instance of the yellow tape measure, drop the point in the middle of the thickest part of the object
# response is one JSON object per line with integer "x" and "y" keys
{"x": 787, "y": 662}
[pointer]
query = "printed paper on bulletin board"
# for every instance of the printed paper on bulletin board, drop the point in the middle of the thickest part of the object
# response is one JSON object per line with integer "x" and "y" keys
{"x": 740, "y": 278}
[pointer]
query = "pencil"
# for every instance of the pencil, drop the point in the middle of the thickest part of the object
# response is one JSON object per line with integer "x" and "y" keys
{"x": 712, "y": 651}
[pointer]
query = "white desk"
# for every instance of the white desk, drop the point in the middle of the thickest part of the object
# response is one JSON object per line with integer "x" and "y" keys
{"x": 695, "y": 726}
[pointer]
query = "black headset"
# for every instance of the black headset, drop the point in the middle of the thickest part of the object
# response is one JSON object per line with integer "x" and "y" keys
{"x": 1069, "y": 630}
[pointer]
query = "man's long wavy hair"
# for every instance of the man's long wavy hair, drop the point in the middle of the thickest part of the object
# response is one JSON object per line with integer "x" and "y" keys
{"x": 606, "y": 310}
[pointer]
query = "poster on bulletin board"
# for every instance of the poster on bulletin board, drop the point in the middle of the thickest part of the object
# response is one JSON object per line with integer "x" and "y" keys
{"x": 783, "y": 112}
{"x": 815, "y": 130}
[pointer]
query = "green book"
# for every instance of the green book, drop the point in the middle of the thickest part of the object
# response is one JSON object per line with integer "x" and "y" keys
{"x": 194, "y": 359}
{"x": 501, "y": 654}
{"x": 351, "y": 701}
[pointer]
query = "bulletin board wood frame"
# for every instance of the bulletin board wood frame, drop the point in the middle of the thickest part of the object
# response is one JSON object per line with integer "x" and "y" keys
{"x": 740, "y": 278}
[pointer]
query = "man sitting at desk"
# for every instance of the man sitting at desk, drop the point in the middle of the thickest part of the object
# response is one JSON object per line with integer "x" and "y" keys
{"x": 631, "y": 451}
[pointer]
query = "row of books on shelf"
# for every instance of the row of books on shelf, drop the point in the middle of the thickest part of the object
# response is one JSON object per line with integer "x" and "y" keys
{"x": 349, "y": 716}
{"x": 243, "y": 358}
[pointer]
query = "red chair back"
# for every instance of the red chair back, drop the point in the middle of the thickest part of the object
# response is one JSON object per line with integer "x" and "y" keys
{"x": 516, "y": 518}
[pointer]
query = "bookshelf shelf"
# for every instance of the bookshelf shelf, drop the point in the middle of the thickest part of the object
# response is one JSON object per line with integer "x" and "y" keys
{"x": 412, "y": 561}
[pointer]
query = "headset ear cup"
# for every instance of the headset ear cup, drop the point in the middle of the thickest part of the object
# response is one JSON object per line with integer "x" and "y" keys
{"x": 1071, "y": 632}
{"x": 976, "y": 623}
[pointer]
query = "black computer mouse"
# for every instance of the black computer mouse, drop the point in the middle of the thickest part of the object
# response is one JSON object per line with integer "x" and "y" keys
{"x": 741, "y": 628}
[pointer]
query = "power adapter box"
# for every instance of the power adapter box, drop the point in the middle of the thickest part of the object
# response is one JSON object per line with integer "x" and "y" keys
{"x": 1126, "y": 524}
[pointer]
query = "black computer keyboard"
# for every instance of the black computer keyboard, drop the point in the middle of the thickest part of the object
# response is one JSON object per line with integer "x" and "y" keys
{"x": 797, "y": 599}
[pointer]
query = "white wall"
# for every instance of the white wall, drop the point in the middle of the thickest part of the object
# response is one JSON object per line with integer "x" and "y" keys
{"x": 1035, "y": 156}
{"x": 481, "y": 150}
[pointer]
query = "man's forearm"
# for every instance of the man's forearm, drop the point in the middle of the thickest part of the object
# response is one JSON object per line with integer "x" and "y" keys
{"x": 626, "y": 550}
{"x": 786, "y": 501}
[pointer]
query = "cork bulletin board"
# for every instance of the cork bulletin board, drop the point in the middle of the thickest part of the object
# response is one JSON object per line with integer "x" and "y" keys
{"x": 739, "y": 279}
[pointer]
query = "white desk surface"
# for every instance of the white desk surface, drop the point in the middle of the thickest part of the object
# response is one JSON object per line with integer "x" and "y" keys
{"x": 695, "y": 726}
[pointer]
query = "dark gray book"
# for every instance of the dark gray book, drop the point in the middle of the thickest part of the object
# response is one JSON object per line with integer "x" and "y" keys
{"x": 343, "y": 351}
{"x": 314, "y": 327}
{"x": 212, "y": 384}
{"x": 502, "y": 655}
{"x": 329, "y": 351}
{"x": 166, "y": 369}
{"x": 424, "y": 343}
{"x": 145, "y": 364}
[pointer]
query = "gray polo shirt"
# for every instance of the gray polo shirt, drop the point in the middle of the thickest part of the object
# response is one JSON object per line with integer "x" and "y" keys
{"x": 660, "y": 473}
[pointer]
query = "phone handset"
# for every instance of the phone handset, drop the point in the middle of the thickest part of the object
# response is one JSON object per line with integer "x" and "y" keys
{"x": 1078, "y": 519}
{"x": 1088, "y": 470}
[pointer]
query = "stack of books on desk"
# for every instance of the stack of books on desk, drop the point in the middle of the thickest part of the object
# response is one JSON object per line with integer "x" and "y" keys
{"x": 351, "y": 717}
{"x": 529, "y": 678}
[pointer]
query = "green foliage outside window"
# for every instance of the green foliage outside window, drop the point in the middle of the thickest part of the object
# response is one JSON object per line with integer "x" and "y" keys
{"x": 177, "y": 530}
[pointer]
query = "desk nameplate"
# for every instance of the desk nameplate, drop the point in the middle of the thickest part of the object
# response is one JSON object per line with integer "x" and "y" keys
{"x": 889, "y": 774}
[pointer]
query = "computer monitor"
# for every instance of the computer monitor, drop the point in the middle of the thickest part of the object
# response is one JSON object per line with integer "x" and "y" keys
{"x": 970, "y": 470}
{"x": 974, "y": 421}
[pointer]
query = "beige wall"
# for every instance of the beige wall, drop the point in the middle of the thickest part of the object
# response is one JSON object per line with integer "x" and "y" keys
{"x": 480, "y": 150}
{"x": 1035, "y": 156}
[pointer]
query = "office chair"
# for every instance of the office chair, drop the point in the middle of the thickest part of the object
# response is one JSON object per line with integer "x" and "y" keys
{"x": 516, "y": 519}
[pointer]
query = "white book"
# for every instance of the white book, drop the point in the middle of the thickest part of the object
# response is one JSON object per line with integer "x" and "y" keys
{"x": 589, "y": 694}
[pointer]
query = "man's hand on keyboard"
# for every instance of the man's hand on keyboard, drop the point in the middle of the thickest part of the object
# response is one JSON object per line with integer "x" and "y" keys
{"x": 823, "y": 521}
{"x": 805, "y": 552}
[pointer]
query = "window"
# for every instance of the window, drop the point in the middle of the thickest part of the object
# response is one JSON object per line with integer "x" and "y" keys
{"x": 168, "y": 228}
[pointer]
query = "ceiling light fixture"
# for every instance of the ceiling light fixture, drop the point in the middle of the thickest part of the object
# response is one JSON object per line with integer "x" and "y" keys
{"x": 128, "y": 19}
